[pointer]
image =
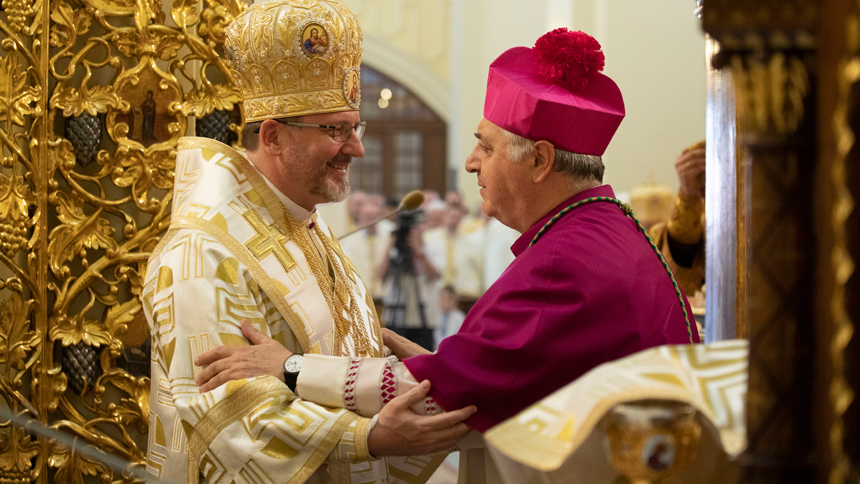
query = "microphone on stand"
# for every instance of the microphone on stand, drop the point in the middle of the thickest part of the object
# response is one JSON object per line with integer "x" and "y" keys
{"x": 410, "y": 201}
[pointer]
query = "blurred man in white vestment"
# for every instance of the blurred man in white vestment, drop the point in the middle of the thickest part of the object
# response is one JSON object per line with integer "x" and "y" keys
{"x": 368, "y": 247}
{"x": 455, "y": 256}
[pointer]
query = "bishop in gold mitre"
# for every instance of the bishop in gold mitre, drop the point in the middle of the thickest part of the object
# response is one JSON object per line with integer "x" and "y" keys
{"x": 246, "y": 243}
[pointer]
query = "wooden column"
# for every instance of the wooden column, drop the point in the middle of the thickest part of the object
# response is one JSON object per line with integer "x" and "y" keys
{"x": 796, "y": 66}
{"x": 836, "y": 416}
{"x": 770, "y": 50}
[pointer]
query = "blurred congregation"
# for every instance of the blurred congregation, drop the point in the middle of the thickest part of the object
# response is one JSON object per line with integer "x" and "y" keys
{"x": 433, "y": 263}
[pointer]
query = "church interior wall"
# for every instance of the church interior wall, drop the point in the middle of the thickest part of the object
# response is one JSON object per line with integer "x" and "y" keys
{"x": 655, "y": 51}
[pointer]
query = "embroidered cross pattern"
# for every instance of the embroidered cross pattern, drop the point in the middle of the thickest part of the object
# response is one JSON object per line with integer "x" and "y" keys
{"x": 269, "y": 240}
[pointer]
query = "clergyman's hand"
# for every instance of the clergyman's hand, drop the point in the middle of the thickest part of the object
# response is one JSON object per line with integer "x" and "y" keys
{"x": 690, "y": 166}
{"x": 401, "y": 346}
{"x": 400, "y": 431}
{"x": 264, "y": 357}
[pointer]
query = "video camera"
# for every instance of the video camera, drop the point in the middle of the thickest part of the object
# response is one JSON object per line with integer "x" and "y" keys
{"x": 406, "y": 221}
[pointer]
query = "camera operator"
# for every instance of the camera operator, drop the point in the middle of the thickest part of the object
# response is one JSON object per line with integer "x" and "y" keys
{"x": 407, "y": 276}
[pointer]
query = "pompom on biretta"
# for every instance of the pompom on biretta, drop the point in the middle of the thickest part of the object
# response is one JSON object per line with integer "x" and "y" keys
{"x": 569, "y": 57}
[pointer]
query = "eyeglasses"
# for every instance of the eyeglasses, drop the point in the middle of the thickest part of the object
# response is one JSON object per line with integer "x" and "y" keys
{"x": 340, "y": 132}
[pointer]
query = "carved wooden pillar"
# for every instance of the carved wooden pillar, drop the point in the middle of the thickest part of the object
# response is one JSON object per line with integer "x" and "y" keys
{"x": 769, "y": 47}
{"x": 796, "y": 66}
{"x": 836, "y": 414}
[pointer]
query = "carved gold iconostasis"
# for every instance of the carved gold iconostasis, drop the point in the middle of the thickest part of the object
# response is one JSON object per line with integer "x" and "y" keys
{"x": 94, "y": 94}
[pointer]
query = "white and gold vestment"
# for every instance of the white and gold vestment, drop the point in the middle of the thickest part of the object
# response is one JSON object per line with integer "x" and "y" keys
{"x": 236, "y": 249}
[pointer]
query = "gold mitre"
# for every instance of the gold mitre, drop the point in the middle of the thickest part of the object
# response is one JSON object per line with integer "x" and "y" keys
{"x": 295, "y": 57}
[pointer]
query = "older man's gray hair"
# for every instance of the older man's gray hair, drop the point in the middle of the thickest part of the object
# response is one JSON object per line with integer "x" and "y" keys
{"x": 575, "y": 165}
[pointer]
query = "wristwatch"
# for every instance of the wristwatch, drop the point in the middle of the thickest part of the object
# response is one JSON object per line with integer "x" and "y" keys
{"x": 292, "y": 367}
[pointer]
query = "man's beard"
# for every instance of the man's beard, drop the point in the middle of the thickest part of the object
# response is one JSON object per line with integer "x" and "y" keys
{"x": 327, "y": 188}
{"x": 314, "y": 176}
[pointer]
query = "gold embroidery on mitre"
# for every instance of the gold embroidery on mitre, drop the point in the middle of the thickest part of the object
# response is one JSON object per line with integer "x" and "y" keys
{"x": 295, "y": 57}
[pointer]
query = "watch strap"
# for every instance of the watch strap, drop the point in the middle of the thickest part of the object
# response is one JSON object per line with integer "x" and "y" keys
{"x": 291, "y": 379}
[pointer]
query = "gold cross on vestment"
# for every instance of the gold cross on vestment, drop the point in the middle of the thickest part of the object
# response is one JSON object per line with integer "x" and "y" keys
{"x": 269, "y": 240}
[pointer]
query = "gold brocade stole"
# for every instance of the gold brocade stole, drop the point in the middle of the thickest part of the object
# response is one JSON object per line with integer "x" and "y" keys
{"x": 340, "y": 295}
{"x": 355, "y": 278}
{"x": 356, "y": 330}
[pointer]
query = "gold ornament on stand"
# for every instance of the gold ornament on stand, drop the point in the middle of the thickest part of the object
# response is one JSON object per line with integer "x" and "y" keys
{"x": 649, "y": 442}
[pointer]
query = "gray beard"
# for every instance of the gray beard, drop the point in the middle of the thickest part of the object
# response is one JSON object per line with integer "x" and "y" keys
{"x": 318, "y": 183}
{"x": 331, "y": 192}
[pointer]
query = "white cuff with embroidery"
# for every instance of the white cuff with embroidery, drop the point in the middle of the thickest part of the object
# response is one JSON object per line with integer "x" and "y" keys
{"x": 362, "y": 385}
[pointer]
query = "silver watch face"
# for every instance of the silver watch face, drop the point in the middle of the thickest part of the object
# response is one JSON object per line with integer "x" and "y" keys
{"x": 293, "y": 364}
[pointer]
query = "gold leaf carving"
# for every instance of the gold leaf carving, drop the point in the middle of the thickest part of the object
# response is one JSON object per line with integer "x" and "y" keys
{"x": 16, "y": 451}
{"x": 17, "y": 98}
{"x": 132, "y": 277}
{"x": 142, "y": 171}
{"x": 185, "y": 13}
{"x": 71, "y": 330}
{"x": 68, "y": 23}
{"x": 118, "y": 317}
{"x": 164, "y": 43}
{"x": 73, "y": 467}
{"x": 78, "y": 231}
{"x": 133, "y": 410}
{"x": 16, "y": 198}
{"x": 60, "y": 154}
{"x": 146, "y": 13}
{"x": 203, "y": 101}
{"x": 113, "y": 8}
{"x": 216, "y": 19}
{"x": 98, "y": 100}
{"x": 17, "y": 12}
{"x": 90, "y": 224}
{"x": 16, "y": 339}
